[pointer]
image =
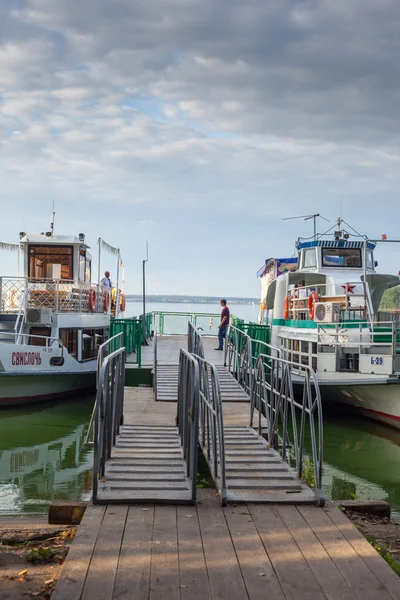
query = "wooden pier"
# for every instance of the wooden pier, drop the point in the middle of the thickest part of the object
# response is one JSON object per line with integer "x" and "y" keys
{"x": 270, "y": 541}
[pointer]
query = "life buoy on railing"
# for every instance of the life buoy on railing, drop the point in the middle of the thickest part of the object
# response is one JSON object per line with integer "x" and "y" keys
{"x": 122, "y": 302}
{"x": 106, "y": 301}
{"x": 312, "y": 299}
{"x": 286, "y": 308}
{"x": 263, "y": 306}
{"x": 113, "y": 297}
{"x": 92, "y": 299}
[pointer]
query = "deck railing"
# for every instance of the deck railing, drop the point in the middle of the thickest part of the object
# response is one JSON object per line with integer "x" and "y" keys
{"x": 60, "y": 295}
{"x": 175, "y": 323}
{"x": 108, "y": 415}
{"x": 290, "y": 414}
{"x": 211, "y": 425}
{"x": 188, "y": 414}
{"x": 195, "y": 341}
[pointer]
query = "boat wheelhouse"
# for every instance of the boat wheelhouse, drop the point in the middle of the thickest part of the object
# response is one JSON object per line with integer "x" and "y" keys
{"x": 52, "y": 320}
{"x": 323, "y": 308}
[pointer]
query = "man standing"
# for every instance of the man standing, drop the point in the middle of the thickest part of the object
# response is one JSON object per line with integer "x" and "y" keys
{"x": 106, "y": 281}
{"x": 223, "y": 326}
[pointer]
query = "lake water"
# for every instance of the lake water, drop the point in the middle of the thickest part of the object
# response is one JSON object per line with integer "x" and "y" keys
{"x": 43, "y": 456}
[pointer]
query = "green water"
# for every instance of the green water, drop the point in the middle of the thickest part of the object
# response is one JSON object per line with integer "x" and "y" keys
{"x": 43, "y": 457}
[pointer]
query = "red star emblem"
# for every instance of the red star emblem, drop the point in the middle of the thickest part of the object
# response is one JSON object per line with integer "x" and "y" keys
{"x": 349, "y": 289}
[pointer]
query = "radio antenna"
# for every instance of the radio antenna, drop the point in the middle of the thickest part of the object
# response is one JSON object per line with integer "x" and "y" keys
{"x": 53, "y": 216}
{"x": 307, "y": 218}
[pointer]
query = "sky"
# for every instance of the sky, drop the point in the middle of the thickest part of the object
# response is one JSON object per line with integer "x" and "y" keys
{"x": 198, "y": 127}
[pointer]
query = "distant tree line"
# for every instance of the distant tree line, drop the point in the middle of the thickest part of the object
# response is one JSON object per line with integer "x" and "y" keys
{"x": 391, "y": 299}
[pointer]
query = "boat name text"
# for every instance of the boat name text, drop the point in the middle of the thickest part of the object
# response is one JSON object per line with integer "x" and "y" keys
{"x": 26, "y": 358}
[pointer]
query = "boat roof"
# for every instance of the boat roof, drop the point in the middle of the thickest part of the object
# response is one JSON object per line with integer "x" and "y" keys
{"x": 53, "y": 239}
{"x": 278, "y": 261}
{"x": 333, "y": 244}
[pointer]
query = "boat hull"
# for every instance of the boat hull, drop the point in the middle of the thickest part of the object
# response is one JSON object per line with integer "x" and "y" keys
{"x": 380, "y": 401}
{"x": 23, "y": 389}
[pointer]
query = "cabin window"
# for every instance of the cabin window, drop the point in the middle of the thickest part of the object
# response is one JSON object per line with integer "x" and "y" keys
{"x": 40, "y": 331}
{"x": 88, "y": 270}
{"x": 370, "y": 260}
{"x": 309, "y": 258}
{"x": 341, "y": 257}
{"x": 50, "y": 262}
{"x": 69, "y": 338}
{"x": 82, "y": 265}
{"x": 91, "y": 341}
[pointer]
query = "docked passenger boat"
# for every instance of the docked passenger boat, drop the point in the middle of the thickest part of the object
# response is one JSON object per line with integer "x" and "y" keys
{"x": 324, "y": 311}
{"x": 52, "y": 321}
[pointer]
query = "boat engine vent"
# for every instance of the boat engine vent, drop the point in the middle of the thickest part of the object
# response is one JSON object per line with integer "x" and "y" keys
{"x": 38, "y": 316}
{"x": 327, "y": 312}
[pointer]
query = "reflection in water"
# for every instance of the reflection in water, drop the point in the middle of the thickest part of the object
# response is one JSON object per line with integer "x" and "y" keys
{"x": 42, "y": 455}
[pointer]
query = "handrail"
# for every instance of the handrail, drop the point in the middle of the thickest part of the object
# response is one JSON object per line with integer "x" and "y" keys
{"x": 155, "y": 363}
{"x": 188, "y": 413}
{"x": 49, "y": 340}
{"x": 273, "y": 396}
{"x": 241, "y": 353}
{"x": 108, "y": 416}
{"x": 211, "y": 425}
{"x": 102, "y": 349}
{"x": 195, "y": 341}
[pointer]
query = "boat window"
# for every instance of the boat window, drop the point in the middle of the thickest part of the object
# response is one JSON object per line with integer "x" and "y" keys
{"x": 50, "y": 262}
{"x": 91, "y": 341}
{"x": 88, "y": 270}
{"x": 309, "y": 258}
{"x": 370, "y": 260}
{"x": 41, "y": 331}
{"x": 341, "y": 257}
{"x": 69, "y": 338}
{"x": 82, "y": 265}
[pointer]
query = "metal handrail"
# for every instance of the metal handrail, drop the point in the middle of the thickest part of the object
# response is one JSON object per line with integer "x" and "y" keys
{"x": 195, "y": 341}
{"x": 241, "y": 353}
{"x": 48, "y": 339}
{"x": 155, "y": 363}
{"x": 211, "y": 425}
{"x": 108, "y": 416}
{"x": 159, "y": 318}
{"x": 274, "y": 397}
{"x": 100, "y": 357}
{"x": 187, "y": 417}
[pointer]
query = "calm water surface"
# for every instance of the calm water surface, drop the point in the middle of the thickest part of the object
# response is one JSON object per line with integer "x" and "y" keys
{"x": 43, "y": 457}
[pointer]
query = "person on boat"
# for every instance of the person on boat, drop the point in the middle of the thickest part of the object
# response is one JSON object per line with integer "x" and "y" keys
{"x": 106, "y": 281}
{"x": 223, "y": 326}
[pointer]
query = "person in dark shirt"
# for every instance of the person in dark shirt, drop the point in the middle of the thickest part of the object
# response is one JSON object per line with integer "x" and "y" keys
{"x": 223, "y": 326}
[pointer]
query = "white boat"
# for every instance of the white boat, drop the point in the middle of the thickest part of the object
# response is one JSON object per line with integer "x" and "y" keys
{"x": 323, "y": 310}
{"x": 52, "y": 321}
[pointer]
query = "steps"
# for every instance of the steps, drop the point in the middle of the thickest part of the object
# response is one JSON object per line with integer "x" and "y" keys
{"x": 146, "y": 466}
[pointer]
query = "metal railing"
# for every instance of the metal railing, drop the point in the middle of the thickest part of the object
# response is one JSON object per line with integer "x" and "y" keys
{"x": 61, "y": 296}
{"x": 147, "y": 325}
{"x": 188, "y": 414}
{"x": 290, "y": 413}
{"x": 175, "y": 323}
{"x": 132, "y": 337}
{"x": 155, "y": 363}
{"x": 25, "y": 338}
{"x": 195, "y": 341}
{"x": 108, "y": 415}
{"x": 241, "y": 353}
{"x": 211, "y": 425}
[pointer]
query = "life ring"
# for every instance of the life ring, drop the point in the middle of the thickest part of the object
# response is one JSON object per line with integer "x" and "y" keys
{"x": 122, "y": 302}
{"x": 286, "y": 308}
{"x": 106, "y": 301}
{"x": 263, "y": 306}
{"x": 113, "y": 297}
{"x": 312, "y": 299}
{"x": 92, "y": 299}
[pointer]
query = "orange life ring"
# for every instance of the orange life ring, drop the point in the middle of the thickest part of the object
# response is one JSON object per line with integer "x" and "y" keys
{"x": 122, "y": 302}
{"x": 312, "y": 299}
{"x": 92, "y": 299}
{"x": 286, "y": 309}
{"x": 263, "y": 306}
{"x": 106, "y": 301}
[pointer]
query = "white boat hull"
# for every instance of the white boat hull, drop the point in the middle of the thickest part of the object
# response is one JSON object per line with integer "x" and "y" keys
{"x": 380, "y": 401}
{"x": 25, "y": 388}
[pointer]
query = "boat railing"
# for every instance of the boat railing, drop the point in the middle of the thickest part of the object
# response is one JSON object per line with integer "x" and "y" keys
{"x": 175, "y": 323}
{"x": 28, "y": 339}
{"x": 211, "y": 425}
{"x": 294, "y": 417}
{"x": 195, "y": 341}
{"x": 112, "y": 344}
{"x": 109, "y": 412}
{"x": 241, "y": 353}
{"x": 155, "y": 358}
{"x": 59, "y": 295}
{"x": 187, "y": 417}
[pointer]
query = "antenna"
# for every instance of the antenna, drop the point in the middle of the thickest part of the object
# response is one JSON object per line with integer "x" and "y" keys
{"x": 53, "y": 216}
{"x": 307, "y": 218}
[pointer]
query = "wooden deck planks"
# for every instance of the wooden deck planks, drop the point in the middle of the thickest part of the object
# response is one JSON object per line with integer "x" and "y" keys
{"x": 164, "y": 577}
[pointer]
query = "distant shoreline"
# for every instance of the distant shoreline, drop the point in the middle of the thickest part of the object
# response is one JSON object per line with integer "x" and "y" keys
{"x": 189, "y": 299}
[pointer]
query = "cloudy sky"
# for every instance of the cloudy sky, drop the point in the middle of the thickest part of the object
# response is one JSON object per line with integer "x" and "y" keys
{"x": 198, "y": 126}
